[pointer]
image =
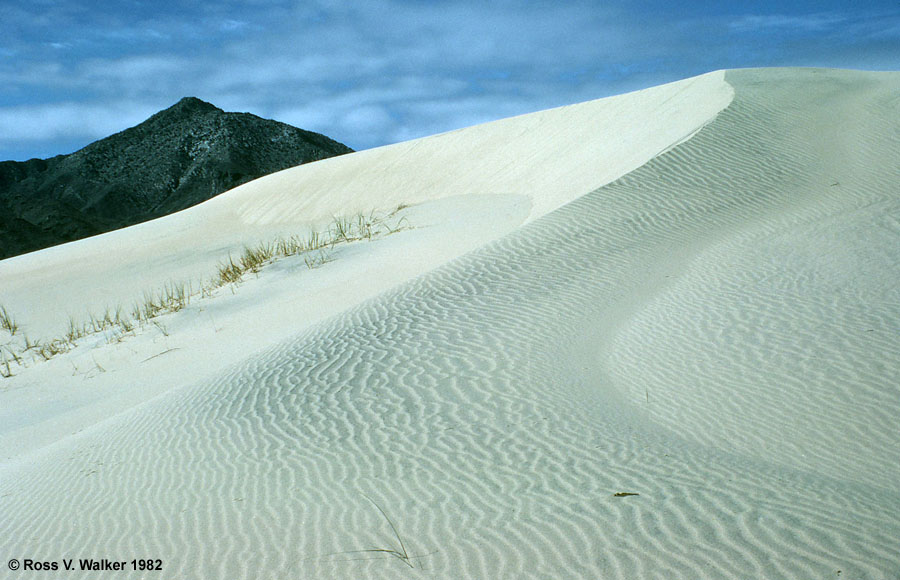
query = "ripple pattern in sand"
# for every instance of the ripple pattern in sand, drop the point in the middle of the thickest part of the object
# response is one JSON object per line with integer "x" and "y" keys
{"x": 488, "y": 407}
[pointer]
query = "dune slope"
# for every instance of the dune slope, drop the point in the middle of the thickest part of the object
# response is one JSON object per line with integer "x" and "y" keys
{"x": 716, "y": 331}
{"x": 547, "y": 158}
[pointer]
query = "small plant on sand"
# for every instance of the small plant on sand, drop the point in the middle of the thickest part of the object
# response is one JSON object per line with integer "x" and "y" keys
{"x": 294, "y": 245}
{"x": 400, "y": 554}
{"x": 95, "y": 324}
{"x": 340, "y": 230}
{"x": 7, "y": 322}
{"x": 172, "y": 297}
{"x": 399, "y": 225}
{"x": 7, "y": 356}
{"x": 229, "y": 272}
{"x": 5, "y": 371}
{"x": 289, "y": 246}
{"x": 74, "y": 332}
{"x": 175, "y": 296}
{"x": 366, "y": 226}
{"x": 126, "y": 325}
{"x": 161, "y": 327}
{"x": 51, "y": 348}
{"x": 255, "y": 258}
{"x": 11, "y": 355}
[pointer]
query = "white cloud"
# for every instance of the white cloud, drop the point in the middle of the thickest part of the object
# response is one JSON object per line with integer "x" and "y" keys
{"x": 366, "y": 119}
{"x": 133, "y": 72}
{"x": 229, "y": 25}
{"x": 806, "y": 22}
{"x": 67, "y": 120}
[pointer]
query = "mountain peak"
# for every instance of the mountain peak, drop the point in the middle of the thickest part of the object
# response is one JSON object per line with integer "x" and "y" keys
{"x": 193, "y": 105}
{"x": 177, "y": 158}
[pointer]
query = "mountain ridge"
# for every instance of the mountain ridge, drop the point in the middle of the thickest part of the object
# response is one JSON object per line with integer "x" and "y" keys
{"x": 177, "y": 158}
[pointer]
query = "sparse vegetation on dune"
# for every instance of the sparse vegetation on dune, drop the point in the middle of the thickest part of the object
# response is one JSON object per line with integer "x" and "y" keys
{"x": 6, "y": 321}
{"x": 401, "y": 553}
{"x": 174, "y": 296}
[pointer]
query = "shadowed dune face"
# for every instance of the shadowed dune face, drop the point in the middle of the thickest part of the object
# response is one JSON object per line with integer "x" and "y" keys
{"x": 697, "y": 332}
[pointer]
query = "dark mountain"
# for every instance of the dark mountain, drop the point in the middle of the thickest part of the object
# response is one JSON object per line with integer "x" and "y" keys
{"x": 177, "y": 158}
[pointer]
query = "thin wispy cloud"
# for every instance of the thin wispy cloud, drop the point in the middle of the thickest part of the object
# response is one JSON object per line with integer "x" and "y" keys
{"x": 782, "y": 22}
{"x": 377, "y": 72}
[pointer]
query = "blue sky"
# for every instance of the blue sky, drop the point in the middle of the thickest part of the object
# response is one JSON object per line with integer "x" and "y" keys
{"x": 375, "y": 72}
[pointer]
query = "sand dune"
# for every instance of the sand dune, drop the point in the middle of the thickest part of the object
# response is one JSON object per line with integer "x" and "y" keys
{"x": 549, "y": 158}
{"x": 715, "y": 329}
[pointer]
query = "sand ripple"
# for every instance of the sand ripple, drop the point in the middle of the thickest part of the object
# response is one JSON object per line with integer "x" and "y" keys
{"x": 493, "y": 407}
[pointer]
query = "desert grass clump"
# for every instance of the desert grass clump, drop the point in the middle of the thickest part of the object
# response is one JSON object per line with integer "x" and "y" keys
{"x": 75, "y": 331}
{"x": 5, "y": 369}
{"x": 11, "y": 355}
{"x": 294, "y": 245}
{"x": 340, "y": 230}
{"x": 51, "y": 348}
{"x": 253, "y": 259}
{"x": 140, "y": 311}
{"x": 175, "y": 296}
{"x": 172, "y": 297}
{"x": 366, "y": 226}
{"x": 229, "y": 272}
{"x": 7, "y": 357}
{"x": 109, "y": 319}
{"x": 7, "y": 322}
{"x": 288, "y": 246}
{"x": 149, "y": 308}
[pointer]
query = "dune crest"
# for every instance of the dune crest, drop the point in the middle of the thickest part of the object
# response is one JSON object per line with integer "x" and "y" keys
{"x": 552, "y": 156}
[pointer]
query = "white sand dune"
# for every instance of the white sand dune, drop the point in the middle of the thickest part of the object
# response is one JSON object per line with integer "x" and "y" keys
{"x": 712, "y": 323}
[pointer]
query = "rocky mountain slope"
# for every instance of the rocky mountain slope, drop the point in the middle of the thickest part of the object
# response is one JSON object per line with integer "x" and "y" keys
{"x": 177, "y": 158}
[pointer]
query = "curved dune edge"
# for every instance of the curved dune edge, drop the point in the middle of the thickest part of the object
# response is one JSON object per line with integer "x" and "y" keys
{"x": 626, "y": 342}
{"x": 469, "y": 186}
{"x": 550, "y": 158}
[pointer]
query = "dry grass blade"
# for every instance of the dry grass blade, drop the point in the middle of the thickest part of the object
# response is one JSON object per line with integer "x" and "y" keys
{"x": 5, "y": 370}
{"x": 400, "y": 554}
{"x": 398, "y": 226}
{"x": 7, "y": 322}
{"x": 341, "y": 231}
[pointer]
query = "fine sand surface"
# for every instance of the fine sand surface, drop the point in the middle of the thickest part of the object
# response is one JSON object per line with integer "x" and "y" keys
{"x": 690, "y": 293}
